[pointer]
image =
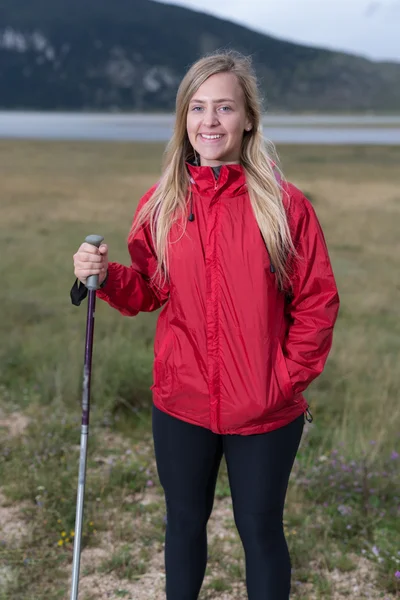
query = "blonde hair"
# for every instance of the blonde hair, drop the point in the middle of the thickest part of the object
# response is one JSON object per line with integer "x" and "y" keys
{"x": 258, "y": 159}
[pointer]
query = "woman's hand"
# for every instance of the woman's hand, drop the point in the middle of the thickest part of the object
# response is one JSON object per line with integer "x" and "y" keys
{"x": 89, "y": 260}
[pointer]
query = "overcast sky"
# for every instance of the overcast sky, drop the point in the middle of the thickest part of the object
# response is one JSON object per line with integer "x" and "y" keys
{"x": 367, "y": 27}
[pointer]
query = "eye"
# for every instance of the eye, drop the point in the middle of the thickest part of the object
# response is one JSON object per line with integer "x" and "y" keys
{"x": 196, "y": 108}
{"x": 225, "y": 108}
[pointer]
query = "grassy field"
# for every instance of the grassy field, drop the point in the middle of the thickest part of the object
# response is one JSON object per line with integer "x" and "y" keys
{"x": 342, "y": 513}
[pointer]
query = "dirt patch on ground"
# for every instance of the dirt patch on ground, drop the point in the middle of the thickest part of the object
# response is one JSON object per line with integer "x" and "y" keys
{"x": 106, "y": 586}
{"x": 14, "y": 424}
{"x": 109, "y": 587}
{"x": 357, "y": 584}
{"x": 13, "y": 527}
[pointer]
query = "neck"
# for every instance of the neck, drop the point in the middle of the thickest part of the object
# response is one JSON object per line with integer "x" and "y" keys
{"x": 217, "y": 163}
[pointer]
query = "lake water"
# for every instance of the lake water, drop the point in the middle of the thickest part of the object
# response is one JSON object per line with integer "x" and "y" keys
{"x": 290, "y": 129}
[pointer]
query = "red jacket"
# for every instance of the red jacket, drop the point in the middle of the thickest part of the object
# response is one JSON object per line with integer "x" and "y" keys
{"x": 231, "y": 353}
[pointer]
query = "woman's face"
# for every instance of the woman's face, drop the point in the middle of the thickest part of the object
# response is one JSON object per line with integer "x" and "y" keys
{"x": 217, "y": 120}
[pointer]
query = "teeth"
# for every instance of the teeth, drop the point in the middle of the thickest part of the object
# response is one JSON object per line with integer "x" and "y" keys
{"x": 211, "y": 137}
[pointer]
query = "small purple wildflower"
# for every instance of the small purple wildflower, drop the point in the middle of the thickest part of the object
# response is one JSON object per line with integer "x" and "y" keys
{"x": 149, "y": 483}
{"x": 375, "y": 550}
{"x": 395, "y": 455}
{"x": 344, "y": 510}
{"x": 397, "y": 574}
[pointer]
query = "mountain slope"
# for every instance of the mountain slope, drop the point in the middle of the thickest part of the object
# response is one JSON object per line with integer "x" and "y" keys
{"x": 125, "y": 54}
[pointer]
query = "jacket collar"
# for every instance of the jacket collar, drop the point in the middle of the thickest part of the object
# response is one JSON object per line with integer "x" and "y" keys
{"x": 231, "y": 180}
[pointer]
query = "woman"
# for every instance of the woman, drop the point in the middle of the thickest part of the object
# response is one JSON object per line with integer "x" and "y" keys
{"x": 238, "y": 259}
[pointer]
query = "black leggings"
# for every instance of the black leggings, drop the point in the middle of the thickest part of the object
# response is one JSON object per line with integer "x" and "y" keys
{"x": 259, "y": 466}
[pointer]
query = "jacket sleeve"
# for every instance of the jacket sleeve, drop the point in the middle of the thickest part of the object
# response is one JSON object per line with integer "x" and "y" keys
{"x": 314, "y": 303}
{"x": 131, "y": 289}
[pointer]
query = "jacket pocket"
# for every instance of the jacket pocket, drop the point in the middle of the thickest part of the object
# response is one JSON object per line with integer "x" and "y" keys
{"x": 163, "y": 366}
{"x": 282, "y": 374}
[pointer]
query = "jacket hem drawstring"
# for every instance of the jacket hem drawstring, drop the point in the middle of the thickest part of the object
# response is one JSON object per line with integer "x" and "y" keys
{"x": 308, "y": 416}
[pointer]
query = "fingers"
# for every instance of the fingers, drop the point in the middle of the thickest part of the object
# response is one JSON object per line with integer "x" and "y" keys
{"x": 87, "y": 253}
{"x": 82, "y": 274}
{"x": 90, "y": 249}
{"x": 90, "y": 260}
{"x": 94, "y": 265}
{"x": 85, "y": 257}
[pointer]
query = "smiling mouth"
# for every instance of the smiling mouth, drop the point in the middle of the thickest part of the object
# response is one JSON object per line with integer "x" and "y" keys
{"x": 211, "y": 137}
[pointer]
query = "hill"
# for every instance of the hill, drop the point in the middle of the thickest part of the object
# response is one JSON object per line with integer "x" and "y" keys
{"x": 131, "y": 55}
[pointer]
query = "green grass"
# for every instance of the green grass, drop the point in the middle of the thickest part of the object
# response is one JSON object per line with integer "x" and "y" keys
{"x": 124, "y": 564}
{"x": 343, "y": 500}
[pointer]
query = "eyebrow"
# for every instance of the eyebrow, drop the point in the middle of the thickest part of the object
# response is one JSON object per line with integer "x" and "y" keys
{"x": 214, "y": 101}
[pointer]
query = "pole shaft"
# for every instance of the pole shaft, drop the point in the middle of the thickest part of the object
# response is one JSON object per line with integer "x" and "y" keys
{"x": 87, "y": 372}
{"x": 79, "y": 514}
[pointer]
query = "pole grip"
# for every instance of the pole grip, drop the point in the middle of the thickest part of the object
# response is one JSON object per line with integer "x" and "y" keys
{"x": 92, "y": 282}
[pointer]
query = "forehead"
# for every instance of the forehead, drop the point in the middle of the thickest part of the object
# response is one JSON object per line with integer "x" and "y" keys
{"x": 220, "y": 85}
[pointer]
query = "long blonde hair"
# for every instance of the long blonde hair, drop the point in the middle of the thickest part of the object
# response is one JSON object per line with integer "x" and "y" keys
{"x": 258, "y": 158}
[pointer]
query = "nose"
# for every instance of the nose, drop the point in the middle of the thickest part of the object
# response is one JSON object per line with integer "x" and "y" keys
{"x": 210, "y": 118}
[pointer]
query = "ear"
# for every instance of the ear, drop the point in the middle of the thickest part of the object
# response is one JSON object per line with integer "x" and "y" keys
{"x": 249, "y": 126}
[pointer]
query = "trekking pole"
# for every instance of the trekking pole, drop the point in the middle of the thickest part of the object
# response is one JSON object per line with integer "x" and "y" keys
{"x": 92, "y": 284}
